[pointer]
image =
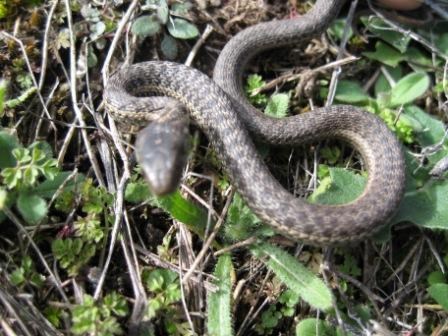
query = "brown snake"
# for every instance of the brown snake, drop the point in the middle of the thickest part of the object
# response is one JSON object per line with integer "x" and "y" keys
{"x": 222, "y": 112}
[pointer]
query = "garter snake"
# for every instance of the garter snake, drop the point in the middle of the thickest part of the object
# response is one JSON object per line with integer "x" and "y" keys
{"x": 219, "y": 108}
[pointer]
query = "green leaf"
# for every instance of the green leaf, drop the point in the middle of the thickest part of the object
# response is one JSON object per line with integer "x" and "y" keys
{"x": 219, "y": 322}
{"x": 436, "y": 277}
{"x": 181, "y": 8}
{"x": 314, "y": 327}
{"x": 182, "y": 29}
{"x": 116, "y": 304}
{"x": 337, "y": 28}
{"x": 3, "y": 88}
{"x": 48, "y": 188}
{"x": 97, "y": 29}
{"x": 7, "y": 144}
{"x": 425, "y": 207}
{"x": 137, "y": 192}
{"x": 384, "y": 31}
{"x": 418, "y": 57}
{"x": 4, "y": 10}
{"x": 24, "y": 96}
{"x": 431, "y": 129}
{"x": 32, "y": 207}
{"x": 294, "y": 275}
{"x": 409, "y": 88}
{"x": 331, "y": 154}
{"x": 147, "y": 25}
{"x": 382, "y": 85}
{"x": 342, "y": 186}
{"x": 254, "y": 82}
{"x": 155, "y": 281}
{"x": 163, "y": 11}
{"x": 184, "y": 211}
{"x": 278, "y": 105}
{"x": 92, "y": 59}
{"x": 3, "y": 196}
{"x": 350, "y": 92}
{"x": 385, "y": 54}
{"x": 442, "y": 42}
{"x": 18, "y": 276}
{"x": 439, "y": 292}
{"x": 242, "y": 223}
{"x": 169, "y": 47}
{"x": 54, "y": 315}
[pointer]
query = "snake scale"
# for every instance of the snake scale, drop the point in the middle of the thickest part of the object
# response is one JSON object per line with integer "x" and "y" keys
{"x": 169, "y": 94}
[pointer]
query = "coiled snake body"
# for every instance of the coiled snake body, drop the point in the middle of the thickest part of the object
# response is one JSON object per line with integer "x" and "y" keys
{"x": 222, "y": 112}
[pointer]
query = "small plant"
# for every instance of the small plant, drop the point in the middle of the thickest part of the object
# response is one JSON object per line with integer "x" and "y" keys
{"x": 438, "y": 287}
{"x": 99, "y": 318}
{"x": 72, "y": 253}
{"x": 26, "y": 274}
{"x": 166, "y": 20}
{"x": 242, "y": 223}
{"x": 253, "y": 83}
{"x": 7, "y": 7}
{"x": 164, "y": 287}
{"x": 389, "y": 101}
{"x": 75, "y": 252}
{"x": 270, "y": 318}
{"x": 26, "y": 176}
{"x": 32, "y": 163}
{"x": 175, "y": 204}
{"x": 275, "y": 106}
{"x": 98, "y": 25}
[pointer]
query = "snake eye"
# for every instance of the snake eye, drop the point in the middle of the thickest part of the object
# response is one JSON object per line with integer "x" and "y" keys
{"x": 161, "y": 150}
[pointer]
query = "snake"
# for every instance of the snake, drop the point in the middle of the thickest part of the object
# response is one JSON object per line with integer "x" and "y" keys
{"x": 166, "y": 96}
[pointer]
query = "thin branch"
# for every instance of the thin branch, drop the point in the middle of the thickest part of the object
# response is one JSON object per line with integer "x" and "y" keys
{"x": 43, "y": 65}
{"x": 210, "y": 239}
{"x": 30, "y": 70}
{"x": 117, "y": 35}
{"x": 411, "y": 34}
{"x": 73, "y": 92}
{"x": 205, "y": 34}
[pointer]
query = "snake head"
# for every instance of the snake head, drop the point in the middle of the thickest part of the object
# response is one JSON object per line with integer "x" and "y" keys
{"x": 162, "y": 151}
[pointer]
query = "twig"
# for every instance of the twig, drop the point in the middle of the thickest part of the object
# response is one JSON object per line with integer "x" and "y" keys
{"x": 127, "y": 245}
{"x": 7, "y": 304}
{"x": 43, "y": 65}
{"x": 210, "y": 239}
{"x": 73, "y": 92}
{"x": 182, "y": 292}
{"x": 21, "y": 228}
{"x": 292, "y": 77}
{"x": 436, "y": 255}
{"x": 114, "y": 43}
{"x": 205, "y": 34}
{"x": 30, "y": 70}
{"x": 238, "y": 245}
{"x": 370, "y": 295}
{"x": 114, "y": 234}
{"x": 61, "y": 187}
{"x": 403, "y": 264}
{"x": 338, "y": 70}
{"x": 209, "y": 206}
{"x": 409, "y": 33}
{"x": 200, "y": 200}
{"x": 437, "y": 8}
{"x": 156, "y": 261}
{"x": 325, "y": 266}
{"x": 66, "y": 143}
